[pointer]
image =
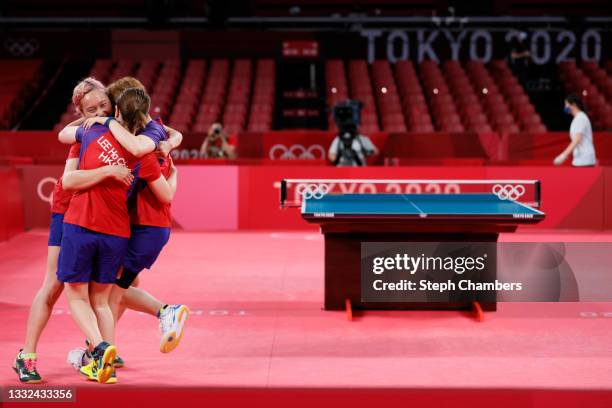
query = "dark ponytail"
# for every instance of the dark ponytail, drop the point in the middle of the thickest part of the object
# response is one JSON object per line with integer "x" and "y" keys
{"x": 574, "y": 99}
{"x": 134, "y": 104}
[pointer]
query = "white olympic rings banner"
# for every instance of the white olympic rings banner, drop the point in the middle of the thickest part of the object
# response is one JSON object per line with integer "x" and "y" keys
{"x": 508, "y": 191}
{"x": 21, "y": 47}
{"x": 297, "y": 152}
{"x": 316, "y": 191}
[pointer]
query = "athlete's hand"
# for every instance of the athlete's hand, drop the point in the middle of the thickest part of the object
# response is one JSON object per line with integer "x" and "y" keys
{"x": 559, "y": 159}
{"x": 89, "y": 122}
{"x": 164, "y": 148}
{"x": 120, "y": 173}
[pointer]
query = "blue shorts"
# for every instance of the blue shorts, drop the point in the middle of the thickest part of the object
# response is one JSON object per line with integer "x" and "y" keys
{"x": 56, "y": 229}
{"x": 87, "y": 255}
{"x": 145, "y": 246}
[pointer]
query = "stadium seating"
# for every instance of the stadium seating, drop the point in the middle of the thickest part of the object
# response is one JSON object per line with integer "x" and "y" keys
{"x": 414, "y": 105}
{"x": 440, "y": 98}
{"x": 387, "y": 97}
{"x": 203, "y": 96}
{"x": 336, "y": 87}
{"x": 361, "y": 89}
{"x": 594, "y": 85}
{"x": 262, "y": 105}
{"x": 211, "y": 104}
{"x": 520, "y": 106}
{"x": 19, "y": 81}
{"x": 450, "y": 97}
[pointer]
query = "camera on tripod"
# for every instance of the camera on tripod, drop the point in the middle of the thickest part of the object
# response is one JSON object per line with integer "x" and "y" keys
{"x": 347, "y": 116}
{"x": 351, "y": 149}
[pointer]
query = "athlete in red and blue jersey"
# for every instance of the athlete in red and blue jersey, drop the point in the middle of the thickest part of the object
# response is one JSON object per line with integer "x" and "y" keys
{"x": 96, "y": 233}
{"x": 89, "y": 99}
{"x": 146, "y": 241}
{"x": 96, "y": 228}
{"x": 152, "y": 135}
{"x": 60, "y": 199}
{"x": 151, "y": 223}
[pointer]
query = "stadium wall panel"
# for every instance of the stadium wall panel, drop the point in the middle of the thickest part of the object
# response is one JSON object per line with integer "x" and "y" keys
{"x": 11, "y": 204}
{"x": 228, "y": 197}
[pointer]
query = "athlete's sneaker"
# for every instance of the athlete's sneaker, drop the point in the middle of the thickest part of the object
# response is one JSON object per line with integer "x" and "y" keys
{"x": 118, "y": 360}
{"x": 79, "y": 357}
{"x": 103, "y": 361}
{"x": 25, "y": 367}
{"x": 171, "y": 324}
{"x": 91, "y": 374}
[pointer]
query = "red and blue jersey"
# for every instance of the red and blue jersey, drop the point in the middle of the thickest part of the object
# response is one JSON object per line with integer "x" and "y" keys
{"x": 146, "y": 208}
{"x": 155, "y": 131}
{"x": 103, "y": 207}
{"x": 61, "y": 198}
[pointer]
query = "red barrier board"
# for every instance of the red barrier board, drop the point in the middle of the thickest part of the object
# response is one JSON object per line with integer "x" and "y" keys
{"x": 259, "y": 189}
{"x": 37, "y": 183}
{"x": 43, "y": 147}
{"x": 11, "y": 204}
{"x": 607, "y": 176}
{"x": 571, "y": 197}
{"x": 437, "y": 145}
{"x": 247, "y": 197}
{"x": 206, "y": 198}
{"x": 532, "y": 146}
{"x": 295, "y": 145}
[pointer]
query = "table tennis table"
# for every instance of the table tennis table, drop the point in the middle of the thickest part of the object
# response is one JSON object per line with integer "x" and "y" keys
{"x": 418, "y": 206}
{"x": 347, "y": 220}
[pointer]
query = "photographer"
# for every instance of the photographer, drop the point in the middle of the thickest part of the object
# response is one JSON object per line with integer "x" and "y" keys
{"x": 349, "y": 148}
{"x": 216, "y": 144}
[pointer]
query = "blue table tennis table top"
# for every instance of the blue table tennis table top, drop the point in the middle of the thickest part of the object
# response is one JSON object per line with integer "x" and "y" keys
{"x": 417, "y": 206}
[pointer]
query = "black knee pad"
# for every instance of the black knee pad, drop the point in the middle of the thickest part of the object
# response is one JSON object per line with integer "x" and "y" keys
{"x": 126, "y": 279}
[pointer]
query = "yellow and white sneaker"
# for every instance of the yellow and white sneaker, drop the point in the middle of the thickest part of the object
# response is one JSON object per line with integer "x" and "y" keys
{"x": 91, "y": 374}
{"x": 172, "y": 321}
{"x": 102, "y": 366}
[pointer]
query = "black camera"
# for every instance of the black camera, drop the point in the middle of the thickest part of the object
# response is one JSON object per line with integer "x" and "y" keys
{"x": 347, "y": 116}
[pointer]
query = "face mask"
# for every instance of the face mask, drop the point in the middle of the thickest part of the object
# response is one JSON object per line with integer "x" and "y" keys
{"x": 567, "y": 110}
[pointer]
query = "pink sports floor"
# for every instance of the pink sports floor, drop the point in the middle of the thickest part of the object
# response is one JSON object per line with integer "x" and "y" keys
{"x": 257, "y": 322}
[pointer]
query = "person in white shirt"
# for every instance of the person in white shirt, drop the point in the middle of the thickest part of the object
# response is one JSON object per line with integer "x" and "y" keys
{"x": 581, "y": 135}
{"x": 351, "y": 149}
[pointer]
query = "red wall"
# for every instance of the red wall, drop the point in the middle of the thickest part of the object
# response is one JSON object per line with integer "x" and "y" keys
{"x": 43, "y": 147}
{"x": 11, "y": 204}
{"x": 571, "y": 197}
{"x": 607, "y": 202}
{"x": 247, "y": 197}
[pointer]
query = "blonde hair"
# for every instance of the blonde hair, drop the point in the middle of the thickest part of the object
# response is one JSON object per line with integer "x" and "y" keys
{"x": 83, "y": 88}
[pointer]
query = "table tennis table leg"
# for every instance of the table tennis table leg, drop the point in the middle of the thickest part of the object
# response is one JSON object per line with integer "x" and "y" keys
{"x": 478, "y": 312}
{"x": 349, "y": 309}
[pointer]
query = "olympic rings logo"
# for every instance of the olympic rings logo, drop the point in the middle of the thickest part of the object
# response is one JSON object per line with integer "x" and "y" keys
{"x": 316, "y": 191}
{"x": 41, "y": 184}
{"x": 297, "y": 152}
{"x": 21, "y": 47}
{"x": 508, "y": 191}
